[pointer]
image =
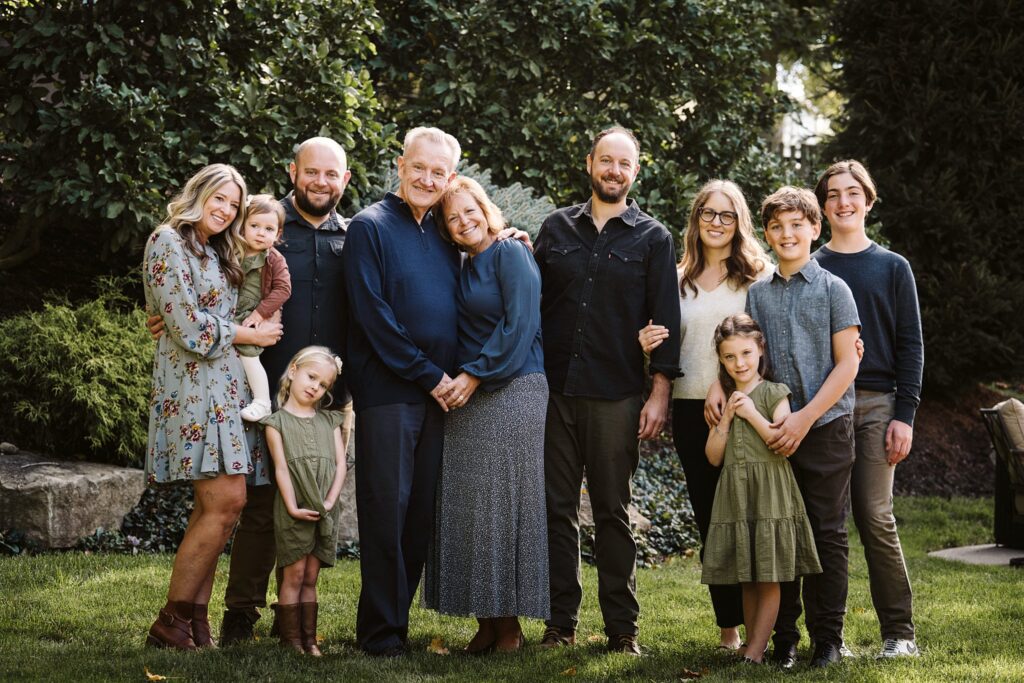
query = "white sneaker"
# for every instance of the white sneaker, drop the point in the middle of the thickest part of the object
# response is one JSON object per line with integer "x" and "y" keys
{"x": 845, "y": 651}
{"x": 255, "y": 411}
{"x": 898, "y": 647}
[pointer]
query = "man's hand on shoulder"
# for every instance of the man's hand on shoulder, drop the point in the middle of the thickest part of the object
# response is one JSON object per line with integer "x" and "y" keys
{"x": 516, "y": 234}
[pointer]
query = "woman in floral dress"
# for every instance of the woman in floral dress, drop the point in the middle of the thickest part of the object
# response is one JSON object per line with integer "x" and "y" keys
{"x": 191, "y": 274}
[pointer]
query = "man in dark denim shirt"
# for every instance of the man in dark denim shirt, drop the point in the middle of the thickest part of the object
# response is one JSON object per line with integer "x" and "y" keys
{"x": 313, "y": 236}
{"x": 607, "y": 268}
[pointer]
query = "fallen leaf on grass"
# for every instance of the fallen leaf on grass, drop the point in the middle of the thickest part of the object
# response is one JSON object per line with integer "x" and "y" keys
{"x": 152, "y": 676}
{"x": 594, "y": 638}
{"x": 437, "y": 647}
{"x": 571, "y": 671}
{"x": 690, "y": 675}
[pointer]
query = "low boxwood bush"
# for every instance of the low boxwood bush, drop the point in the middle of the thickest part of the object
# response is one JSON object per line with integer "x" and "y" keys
{"x": 76, "y": 378}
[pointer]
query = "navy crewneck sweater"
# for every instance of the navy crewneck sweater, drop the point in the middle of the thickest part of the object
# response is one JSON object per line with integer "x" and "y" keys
{"x": 401, "y": 278}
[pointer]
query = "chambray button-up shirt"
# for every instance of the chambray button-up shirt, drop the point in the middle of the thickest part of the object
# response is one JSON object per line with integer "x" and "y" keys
{"x": 798, "y": 317}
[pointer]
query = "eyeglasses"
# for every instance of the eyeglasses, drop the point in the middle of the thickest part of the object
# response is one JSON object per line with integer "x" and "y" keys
{"x": 708, "y": 216}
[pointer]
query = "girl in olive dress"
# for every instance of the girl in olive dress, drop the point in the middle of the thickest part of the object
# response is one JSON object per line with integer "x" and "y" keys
{"x": 759, "y": 534}
{"x": 309, "y": 467}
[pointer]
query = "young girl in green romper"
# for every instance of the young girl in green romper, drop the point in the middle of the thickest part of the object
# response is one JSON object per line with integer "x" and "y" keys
{"x": 759, "y": 534}
{"x": 309, "y": 467}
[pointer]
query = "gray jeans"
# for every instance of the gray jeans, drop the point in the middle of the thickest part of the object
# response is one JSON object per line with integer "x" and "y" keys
{"x": 871, "y": 498}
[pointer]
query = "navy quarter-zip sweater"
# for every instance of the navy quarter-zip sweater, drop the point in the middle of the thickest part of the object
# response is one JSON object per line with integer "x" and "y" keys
{"x": 401, "y": 278}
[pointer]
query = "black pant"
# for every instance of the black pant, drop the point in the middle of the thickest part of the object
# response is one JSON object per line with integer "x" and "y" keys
{"x": 398, "y": 458}
{"x": 690, "y": 435}
{"x": 597, "y": 437}
{"x": 822, "y": 467}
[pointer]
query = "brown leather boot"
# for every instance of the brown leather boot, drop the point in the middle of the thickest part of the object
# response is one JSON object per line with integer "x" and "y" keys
{"x": 173, "y": 627}
{"x": 289, "y": 619}
{"x": 309, "y": 614}
{"x": 236, "y": 626}
{"x": 201, "y": 627}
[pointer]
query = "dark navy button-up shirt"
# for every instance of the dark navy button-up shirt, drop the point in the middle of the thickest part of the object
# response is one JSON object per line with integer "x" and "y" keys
{"x": 798, "y": 317}
{"x": 598, "y": 290}
{"x": 316, "y": 311}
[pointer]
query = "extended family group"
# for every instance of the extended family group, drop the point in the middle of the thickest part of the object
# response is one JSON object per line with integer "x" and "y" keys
{"x": 485, "y": 376}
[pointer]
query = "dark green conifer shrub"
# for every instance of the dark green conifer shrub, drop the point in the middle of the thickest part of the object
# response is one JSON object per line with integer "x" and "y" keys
{"x": 76, "y": 379}
{"x": 936, "y": 111}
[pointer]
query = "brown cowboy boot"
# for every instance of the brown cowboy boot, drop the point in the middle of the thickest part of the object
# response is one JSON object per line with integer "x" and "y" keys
{"x": 309, "y": 614}
{"x": 290, "y": 626}
{"x": 173, "y": 627}
{"x": 201, "y": 627}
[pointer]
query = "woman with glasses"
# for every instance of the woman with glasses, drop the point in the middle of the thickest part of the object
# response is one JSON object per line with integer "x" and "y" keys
{"x": 721, "y": 258}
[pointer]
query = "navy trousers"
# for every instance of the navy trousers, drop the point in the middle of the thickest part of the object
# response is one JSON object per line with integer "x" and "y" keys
{"x": 398, "y": 460}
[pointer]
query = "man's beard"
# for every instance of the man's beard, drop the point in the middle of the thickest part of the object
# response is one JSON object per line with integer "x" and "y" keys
{"x": 609, "y": 197}
{"x": 306, "y": 204}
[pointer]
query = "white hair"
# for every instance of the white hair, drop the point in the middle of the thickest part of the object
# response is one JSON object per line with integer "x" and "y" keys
{"x": 434, "y": 135}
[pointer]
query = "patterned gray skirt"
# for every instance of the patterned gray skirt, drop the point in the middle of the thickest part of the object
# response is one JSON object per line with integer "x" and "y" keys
{"x": 488, "y": 555}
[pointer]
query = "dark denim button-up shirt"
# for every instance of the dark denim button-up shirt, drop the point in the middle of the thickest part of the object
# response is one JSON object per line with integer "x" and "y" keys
{"x": 798, "y": 317}
{"x": 598, "y": 289}
{"x": 316, "y": 311}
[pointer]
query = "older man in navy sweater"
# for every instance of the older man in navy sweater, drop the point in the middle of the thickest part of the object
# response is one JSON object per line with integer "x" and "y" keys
{"x": 401, "y": 278}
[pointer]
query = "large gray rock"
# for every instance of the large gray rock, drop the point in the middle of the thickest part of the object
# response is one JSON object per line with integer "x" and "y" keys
{"x": 56, "y": 503}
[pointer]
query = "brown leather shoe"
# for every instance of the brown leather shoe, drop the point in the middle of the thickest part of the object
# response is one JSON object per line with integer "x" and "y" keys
{"x": 556, "y": 636}
{"x": 289, "y": 627}
{"x": 624, "y": 643}
{"x": 201, "y": 627}
{"x": 309, "y": 613}
{"x": 173, "y": 627}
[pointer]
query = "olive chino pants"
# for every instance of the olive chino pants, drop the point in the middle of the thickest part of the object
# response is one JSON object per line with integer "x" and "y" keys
{"x": 597, "y": 438}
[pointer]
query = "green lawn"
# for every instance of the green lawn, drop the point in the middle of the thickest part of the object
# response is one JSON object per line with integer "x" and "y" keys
{"x": 83, "y": 618}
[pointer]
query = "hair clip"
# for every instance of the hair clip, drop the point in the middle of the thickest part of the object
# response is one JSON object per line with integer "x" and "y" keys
{"x": 248, "y": 200}
{"x": 337, "y": 363}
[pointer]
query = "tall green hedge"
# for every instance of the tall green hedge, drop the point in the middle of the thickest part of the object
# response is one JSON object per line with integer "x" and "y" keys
{"x": 525, "y": 86}
{"x": 936, "y": 110}
{"x": 110, "y": 106}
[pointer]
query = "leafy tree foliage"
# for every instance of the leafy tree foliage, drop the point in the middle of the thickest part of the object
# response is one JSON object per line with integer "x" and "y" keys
{"x": 111, "y": 105}
{"x": 524, "y": 86}
{"x": 936, "y": 111}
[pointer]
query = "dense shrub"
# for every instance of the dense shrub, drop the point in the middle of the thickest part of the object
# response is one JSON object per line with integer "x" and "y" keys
{"x": 155, "y": 525}
{"x": 525, "y": 86}
{"x": 76, "y": 380}
{"x": 936, "y": 110}
{"x": 519, "y": 205}
{"x": 111, "y": 105}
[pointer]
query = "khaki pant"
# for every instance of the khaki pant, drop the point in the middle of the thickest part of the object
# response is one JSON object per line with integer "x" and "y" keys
{"x": 871, "y": 498}
{"x": 253, "y": 552}
{"x": 598, "y": 438}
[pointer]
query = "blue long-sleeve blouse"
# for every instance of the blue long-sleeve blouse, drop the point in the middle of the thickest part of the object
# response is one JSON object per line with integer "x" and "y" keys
{"x": 499, "y": 315}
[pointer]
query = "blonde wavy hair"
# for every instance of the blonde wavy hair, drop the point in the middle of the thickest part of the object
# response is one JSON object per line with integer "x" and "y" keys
{"x": 186, "y": 210}
{"x": 310, "y": 354}
{"x": 492, "y": 214}
{"x": 747, "y": 258}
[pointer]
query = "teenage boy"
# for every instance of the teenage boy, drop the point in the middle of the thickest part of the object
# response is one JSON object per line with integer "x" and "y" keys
{"x": 810, "y": 323}
{"x": 888, "y": 388}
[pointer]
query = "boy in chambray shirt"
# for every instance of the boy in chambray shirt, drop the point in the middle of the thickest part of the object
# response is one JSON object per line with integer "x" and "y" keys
{"x": 811, "y": 327}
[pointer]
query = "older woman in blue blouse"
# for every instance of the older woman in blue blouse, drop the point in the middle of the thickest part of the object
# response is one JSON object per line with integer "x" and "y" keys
{"x": 488, "y": 557}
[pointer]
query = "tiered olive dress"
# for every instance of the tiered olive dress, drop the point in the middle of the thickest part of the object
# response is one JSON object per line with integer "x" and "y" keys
{"x": 759, "y": 529}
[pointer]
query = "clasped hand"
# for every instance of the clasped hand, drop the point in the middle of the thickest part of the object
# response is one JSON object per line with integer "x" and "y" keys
{"x": 455, "y": 393}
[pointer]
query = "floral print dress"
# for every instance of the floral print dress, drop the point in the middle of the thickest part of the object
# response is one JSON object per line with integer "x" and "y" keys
{"x": 199, "y": 387}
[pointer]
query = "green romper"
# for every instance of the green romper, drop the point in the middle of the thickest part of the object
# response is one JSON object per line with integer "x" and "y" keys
{"x": 249, "y": 297}
{"x": 759, "y": 529}
{"x": 309, "y": 452}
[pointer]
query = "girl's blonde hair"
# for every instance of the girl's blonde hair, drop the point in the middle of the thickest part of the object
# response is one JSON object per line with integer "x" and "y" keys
{"x": 747, "y": 257}
{"x": 492, "y": 214}
{"x": 186, "y": 209}
{"x": 266, "y": 203}
{"x": 740, "y": 325}
{"x": 310, "y": 354}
